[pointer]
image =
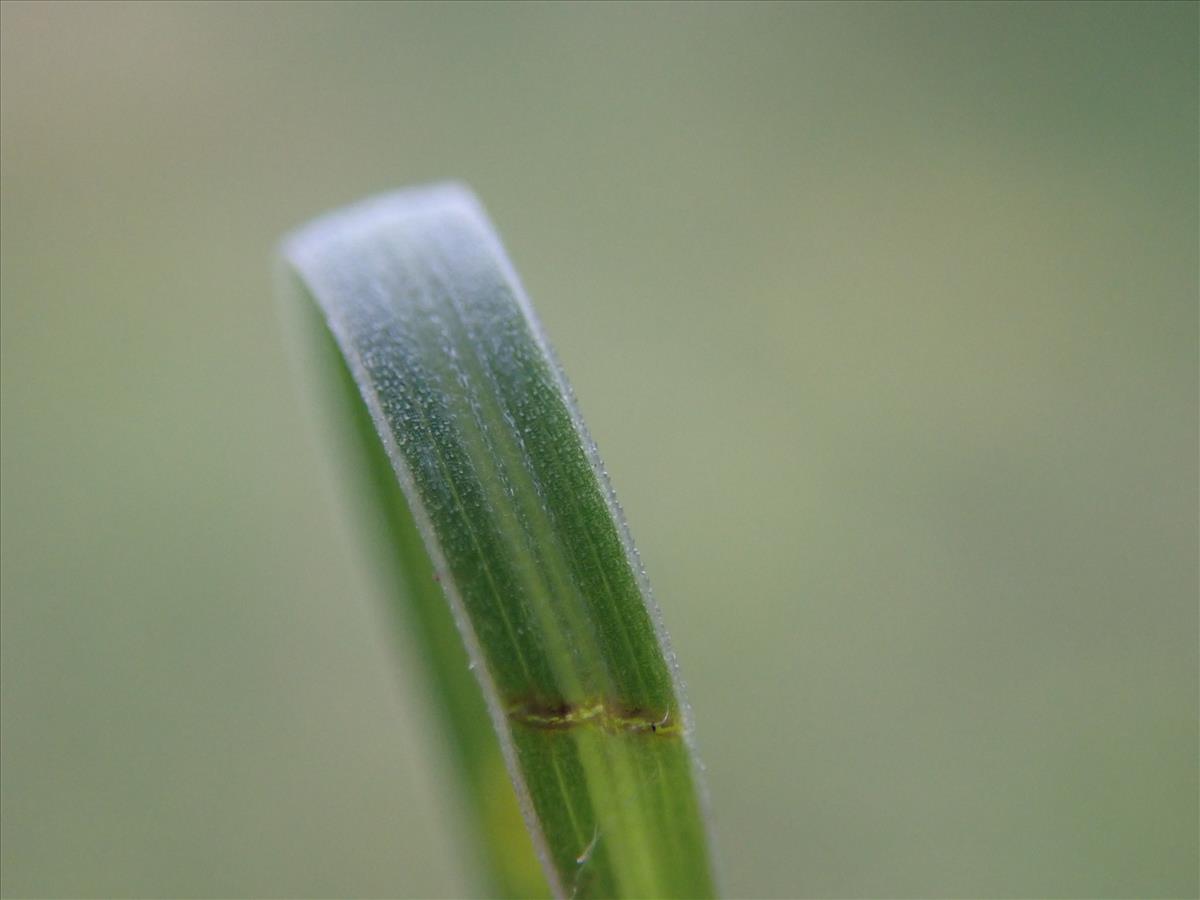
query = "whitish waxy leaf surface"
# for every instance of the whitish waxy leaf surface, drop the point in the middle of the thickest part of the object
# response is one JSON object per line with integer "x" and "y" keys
{"x": 486, "y": 488}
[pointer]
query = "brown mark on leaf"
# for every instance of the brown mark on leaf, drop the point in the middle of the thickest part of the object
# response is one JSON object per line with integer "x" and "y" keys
{"x": 561, "y": 716}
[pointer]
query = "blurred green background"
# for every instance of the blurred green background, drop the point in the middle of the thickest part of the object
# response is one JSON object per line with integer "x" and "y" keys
{"x": 884, "y": 317}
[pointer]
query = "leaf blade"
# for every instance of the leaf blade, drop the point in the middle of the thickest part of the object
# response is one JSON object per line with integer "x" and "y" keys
{"x": 525, "y": 536}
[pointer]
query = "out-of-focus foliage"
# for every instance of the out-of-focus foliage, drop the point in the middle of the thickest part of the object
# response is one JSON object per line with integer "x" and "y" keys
{"x": 887, "y": 318}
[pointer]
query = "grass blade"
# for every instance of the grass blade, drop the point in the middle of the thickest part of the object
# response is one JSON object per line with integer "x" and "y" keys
{"x": 499, "y": 480}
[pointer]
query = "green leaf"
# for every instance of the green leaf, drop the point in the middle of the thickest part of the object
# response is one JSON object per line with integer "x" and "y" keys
{"x": 485, "y": 488}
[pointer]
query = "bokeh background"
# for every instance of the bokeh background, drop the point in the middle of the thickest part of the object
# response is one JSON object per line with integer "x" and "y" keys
{"x": 884, "y": 317}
